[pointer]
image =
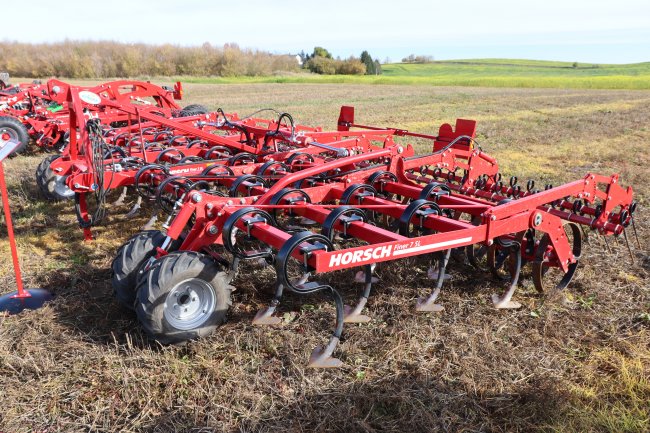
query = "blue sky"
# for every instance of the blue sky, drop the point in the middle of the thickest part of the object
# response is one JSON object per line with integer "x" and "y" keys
{"x": 601, "y": 31}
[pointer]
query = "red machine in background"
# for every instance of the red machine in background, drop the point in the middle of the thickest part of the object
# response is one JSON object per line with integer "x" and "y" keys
{"x": 37, "y": 111}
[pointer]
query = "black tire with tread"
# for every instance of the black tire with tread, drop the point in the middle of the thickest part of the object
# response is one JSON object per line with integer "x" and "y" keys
{"x": 19, "y": 129}
{"x": 131, "y": 256}
{"x": 155, "y": 284}
{"x": 45, "y": 179}
{"x": 193, "y": 110}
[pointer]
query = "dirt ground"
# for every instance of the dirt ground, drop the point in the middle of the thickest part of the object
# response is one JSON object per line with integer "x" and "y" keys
{"x": 574, "y": 363}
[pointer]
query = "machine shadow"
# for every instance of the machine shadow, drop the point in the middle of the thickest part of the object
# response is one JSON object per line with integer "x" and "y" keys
{"x": 84, "y": 301}
{"x": 401, "y": 403}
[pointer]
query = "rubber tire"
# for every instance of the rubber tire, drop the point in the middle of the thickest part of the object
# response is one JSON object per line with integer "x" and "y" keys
{"x": 158, "y": 281}
{"x": 131, "y": 256}
{"x": 17, "y": 126}
{"x": 193, "y": 110}
{"x": 45, "y": 179}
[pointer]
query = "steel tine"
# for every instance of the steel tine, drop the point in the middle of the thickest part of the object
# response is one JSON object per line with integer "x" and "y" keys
{"x": 121, "y": 198}
{"x": 627, "y": 243}
{"x": 638, "y": 244}
{"x": 609, "y": 249}
{"x": 585, "y": 235}
{"x": 597, "y": 240}
{"x": 617, "y": 249}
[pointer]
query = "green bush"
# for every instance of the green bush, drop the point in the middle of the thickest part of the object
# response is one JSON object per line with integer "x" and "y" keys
{"x": 351, "y": 66}
{"x": 327, "y": 66}
{"x": 321, "y": 65}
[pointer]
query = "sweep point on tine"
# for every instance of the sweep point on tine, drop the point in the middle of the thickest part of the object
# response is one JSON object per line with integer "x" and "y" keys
{"x": 433, "y": 274}
{"x": 360, "y": 277}
{"x": 150, "y": 223}
{"x": 424, "y": 305}
{"x": 505, "y": 303}
{"x": 265, "y": 317}
{"x": 321, "y": 357}
{"x": 121, "y": 198}
{"x": 353, "y": 315}
{"x": 133, "y": 212}
{"x": 135, "y": 209}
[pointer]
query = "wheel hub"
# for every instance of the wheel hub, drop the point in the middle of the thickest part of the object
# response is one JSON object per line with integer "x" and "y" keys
{"x": 189, "y": 304}
{"x": 61, "y": 188}
{"x": 7, "y": 135}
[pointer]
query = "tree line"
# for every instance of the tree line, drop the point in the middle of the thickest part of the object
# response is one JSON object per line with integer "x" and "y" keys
{"x": 417, "y": 59}
{"x": 80, "y": 59}
{"x": 107, "y": 59}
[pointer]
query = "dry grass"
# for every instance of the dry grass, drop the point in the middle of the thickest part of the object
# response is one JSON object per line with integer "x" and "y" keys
{"x": 82, "y": 363}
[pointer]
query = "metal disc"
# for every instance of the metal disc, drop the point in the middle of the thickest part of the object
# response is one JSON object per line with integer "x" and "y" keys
{"x": 13, "y": 305}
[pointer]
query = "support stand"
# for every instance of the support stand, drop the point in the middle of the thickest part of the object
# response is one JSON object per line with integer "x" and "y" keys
{"x": 21, "y": 299}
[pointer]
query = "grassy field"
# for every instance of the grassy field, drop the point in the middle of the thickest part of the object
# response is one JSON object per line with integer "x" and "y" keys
{"x": 580, "y": 364}
{"x": 479, "y": 72}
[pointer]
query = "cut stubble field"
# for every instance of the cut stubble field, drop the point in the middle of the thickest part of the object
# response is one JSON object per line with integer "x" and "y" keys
{"x": 575, "y": 362}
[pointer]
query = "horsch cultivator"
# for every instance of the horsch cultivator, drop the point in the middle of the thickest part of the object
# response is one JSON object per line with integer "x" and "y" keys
{"x": 311, "y": 204}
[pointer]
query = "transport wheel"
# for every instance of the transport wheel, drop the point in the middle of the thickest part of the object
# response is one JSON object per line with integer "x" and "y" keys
{"x": 193, "y": 110}
{"x": 52, "y": 185}
{"x": 183, "y": 296}
{"x": 130, "y": 258}
{"x": 12, "y": 129}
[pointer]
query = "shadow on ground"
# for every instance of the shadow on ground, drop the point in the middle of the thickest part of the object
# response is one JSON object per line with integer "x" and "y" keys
{"x": 402, "y": 403}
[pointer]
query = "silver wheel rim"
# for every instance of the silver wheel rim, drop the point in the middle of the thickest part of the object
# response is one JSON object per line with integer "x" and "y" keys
{"x": 189, "y": 304}
{"x": 60, "y": 187}
{"x": 7, "y": 135}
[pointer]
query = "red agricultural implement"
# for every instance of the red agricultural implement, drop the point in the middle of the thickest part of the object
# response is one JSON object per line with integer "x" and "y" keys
{"x": 313, "y": 204}
{"x": 50, "y": 126}
{"x": 44, "y": 113}
{"x": 356, "y": 209}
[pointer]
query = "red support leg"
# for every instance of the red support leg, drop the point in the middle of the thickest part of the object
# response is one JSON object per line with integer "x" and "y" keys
{"x": 21, "y": 299}
{"x": 12, "y": 240}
